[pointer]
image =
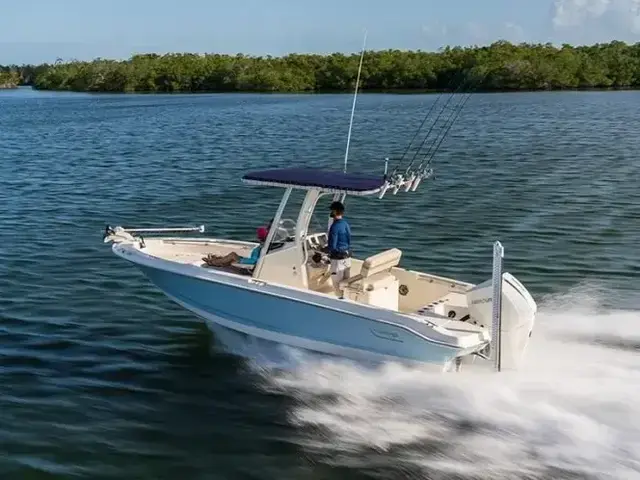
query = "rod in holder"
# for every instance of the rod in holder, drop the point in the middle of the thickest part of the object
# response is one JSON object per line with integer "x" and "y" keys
{"x": 496, "y": 316}
{"x": 407, "y": 182}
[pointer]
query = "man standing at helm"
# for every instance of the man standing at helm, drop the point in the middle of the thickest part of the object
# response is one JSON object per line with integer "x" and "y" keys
{"x": 339, "y": 246}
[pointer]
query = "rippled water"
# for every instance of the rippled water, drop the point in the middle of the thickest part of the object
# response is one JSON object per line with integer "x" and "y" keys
{"x": 102, "y": 377}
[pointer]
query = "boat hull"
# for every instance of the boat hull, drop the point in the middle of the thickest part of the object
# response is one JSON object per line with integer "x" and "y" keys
{"x": 258, "y": 310}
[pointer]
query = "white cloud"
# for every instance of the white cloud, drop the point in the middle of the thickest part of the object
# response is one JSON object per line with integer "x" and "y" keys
{"x": 615, "y": 17}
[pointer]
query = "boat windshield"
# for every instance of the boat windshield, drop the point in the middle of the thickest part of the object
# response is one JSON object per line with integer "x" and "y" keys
{"x": 286, "y": 230}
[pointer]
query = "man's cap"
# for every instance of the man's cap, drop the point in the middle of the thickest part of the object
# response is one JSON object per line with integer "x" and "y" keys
{"x": 337, "y": 206}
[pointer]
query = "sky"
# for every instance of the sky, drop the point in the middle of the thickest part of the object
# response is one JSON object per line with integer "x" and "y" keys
{"x": 44, "y": 30}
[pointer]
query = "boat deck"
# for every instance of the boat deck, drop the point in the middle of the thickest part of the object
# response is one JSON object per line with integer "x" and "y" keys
{"x": 192, "y": 253}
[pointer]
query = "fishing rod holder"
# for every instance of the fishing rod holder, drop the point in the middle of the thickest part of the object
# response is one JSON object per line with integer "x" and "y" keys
{"x": 410, "y": 182}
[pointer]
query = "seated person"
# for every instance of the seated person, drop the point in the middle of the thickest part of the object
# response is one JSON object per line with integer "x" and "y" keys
{"x": 231, "y": 258}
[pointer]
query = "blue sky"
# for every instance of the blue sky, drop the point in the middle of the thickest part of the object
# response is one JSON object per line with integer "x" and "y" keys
{"x": 42, "y": 30}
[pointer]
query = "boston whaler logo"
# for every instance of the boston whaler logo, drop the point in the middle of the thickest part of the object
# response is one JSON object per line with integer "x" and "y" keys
{"x": 393, "y": 336}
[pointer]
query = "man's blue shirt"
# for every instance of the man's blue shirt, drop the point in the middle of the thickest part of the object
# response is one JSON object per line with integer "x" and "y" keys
{"x": 339, "y": 240}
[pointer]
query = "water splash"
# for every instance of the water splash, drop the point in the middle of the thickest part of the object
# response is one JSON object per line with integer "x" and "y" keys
{"x": 571, "y": 412}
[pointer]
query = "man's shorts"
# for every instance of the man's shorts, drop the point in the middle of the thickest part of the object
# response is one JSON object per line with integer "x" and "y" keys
{"x": 340, "y": 270}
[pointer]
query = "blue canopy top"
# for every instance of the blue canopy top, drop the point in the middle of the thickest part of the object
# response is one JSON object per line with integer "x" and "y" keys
{"x": 312, "y": 178}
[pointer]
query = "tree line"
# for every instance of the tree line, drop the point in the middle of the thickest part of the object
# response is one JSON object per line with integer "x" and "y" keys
{"x": 14, "y": 75}
{"x": 501, "y": 66}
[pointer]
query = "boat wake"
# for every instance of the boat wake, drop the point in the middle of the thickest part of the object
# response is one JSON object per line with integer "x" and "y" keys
{"x": 571, "y": 412}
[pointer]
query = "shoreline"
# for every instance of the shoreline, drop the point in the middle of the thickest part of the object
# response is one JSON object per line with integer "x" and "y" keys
{"x": 335, "y": 92}
{"x": 500, "y": 67}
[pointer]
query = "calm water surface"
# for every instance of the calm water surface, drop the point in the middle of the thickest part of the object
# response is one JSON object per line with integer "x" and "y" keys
{"x": 102, "y": 377}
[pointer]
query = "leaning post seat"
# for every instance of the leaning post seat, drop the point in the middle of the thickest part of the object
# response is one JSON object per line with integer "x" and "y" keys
{"x": 375, "y": 285}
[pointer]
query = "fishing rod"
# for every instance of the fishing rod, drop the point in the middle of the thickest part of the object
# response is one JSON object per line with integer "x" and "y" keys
{"x": 420, "y": 127}
{"x": 451, "y": 97}
{"x": 442, "y": 127}
{"x": 396, "y": 181}
{"x": 426, "y": 117}
{"x": 428, "y": 156}
{"x": 457, "y": 110}
{"x": 423, "y": 171}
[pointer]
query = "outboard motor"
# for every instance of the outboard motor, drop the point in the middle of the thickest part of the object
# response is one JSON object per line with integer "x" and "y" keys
{"x": 518, "y": 316}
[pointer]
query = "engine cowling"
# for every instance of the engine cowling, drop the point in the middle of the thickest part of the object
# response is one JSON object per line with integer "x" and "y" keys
{"x": 518, "y": 316}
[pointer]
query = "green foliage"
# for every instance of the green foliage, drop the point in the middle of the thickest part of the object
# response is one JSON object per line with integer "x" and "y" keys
{"x": 500, "y": 66}
{"x": 14, "y": 75}
{"x": 9, "y": 78}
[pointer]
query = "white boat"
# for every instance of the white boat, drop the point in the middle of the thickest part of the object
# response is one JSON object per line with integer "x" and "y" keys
{"x": 387, "y": 312}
